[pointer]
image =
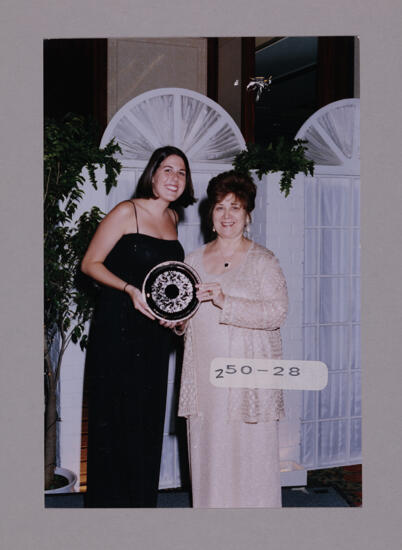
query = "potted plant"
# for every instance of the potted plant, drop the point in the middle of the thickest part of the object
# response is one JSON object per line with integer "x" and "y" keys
{"x": 70, "y": 145}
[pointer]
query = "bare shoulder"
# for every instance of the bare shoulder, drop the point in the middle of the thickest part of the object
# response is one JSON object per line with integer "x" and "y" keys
{"x": 122, "y": 210}
{"x": 109, "y": 231}
{"x": 124, "y": 207}
{"x": 119, "y": 215}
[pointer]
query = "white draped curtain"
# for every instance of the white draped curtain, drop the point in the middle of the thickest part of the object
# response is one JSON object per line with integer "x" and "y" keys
{"x": 331, "y": 419}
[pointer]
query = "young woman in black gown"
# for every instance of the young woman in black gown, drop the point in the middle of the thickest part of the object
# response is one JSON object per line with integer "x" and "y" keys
{"x": 128, "y": 351}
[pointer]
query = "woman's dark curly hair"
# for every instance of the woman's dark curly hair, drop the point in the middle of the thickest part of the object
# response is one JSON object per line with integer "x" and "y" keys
{"x": 240, "y": 185}
{"x": 144, "y": 188}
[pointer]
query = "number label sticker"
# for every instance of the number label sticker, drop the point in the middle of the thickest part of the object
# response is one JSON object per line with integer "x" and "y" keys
{"x": 229, "y": 372}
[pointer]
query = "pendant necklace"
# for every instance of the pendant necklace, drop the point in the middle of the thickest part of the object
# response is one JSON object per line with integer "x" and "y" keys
{"x": 227, "y": 261}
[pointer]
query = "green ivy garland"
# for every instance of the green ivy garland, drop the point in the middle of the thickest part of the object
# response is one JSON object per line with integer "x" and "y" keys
{"x": 284, "y": 156}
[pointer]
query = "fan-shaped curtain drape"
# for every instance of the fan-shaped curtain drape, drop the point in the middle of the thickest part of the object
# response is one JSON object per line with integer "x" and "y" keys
{"x": 333, "y": 136}
{"x": 175, "y": 116}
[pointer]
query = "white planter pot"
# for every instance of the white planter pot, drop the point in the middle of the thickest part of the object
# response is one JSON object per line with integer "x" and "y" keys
{"x": 72, "y": 480}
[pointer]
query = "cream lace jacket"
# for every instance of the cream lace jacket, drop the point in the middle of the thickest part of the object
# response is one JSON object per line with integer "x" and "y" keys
{"x": 255, "y": 307}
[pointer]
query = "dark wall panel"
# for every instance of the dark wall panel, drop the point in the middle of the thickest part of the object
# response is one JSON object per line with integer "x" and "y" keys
{"x": 75, "y": 78}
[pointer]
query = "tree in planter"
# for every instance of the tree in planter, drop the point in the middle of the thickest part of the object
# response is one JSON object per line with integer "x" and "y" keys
{"x": 70, "y": 145}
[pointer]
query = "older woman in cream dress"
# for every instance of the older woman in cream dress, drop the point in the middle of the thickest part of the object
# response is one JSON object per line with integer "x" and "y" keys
{"x": 233, "y": 432}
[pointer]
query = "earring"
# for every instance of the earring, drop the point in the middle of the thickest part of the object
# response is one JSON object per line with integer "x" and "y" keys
{"x": 246, "y": 231}
{"x": 213, "y": 230}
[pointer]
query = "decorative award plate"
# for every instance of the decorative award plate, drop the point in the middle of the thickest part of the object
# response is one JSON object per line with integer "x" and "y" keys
{"x": 170, "y": 292}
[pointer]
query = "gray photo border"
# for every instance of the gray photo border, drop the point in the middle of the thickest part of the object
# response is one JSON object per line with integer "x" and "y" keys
{"x": 25, "y": 524}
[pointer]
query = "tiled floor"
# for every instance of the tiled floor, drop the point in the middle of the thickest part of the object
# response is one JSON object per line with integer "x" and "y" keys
{"x": 296, "y": 497}
{"x": 345, "y": 480}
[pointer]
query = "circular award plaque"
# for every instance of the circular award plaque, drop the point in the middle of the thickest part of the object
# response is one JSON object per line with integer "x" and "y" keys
{"x": 170, "y": 292}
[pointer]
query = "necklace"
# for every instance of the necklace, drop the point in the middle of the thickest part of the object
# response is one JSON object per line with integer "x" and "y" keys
{"x": 227, "y": 260}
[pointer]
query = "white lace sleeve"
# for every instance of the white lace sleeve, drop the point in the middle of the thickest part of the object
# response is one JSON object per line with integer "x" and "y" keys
{"x": 267, "y": 306}
{"x": 188, "y": 392}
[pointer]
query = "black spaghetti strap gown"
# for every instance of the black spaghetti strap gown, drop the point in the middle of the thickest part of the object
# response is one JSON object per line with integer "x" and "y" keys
{"x": 127, "y": 364}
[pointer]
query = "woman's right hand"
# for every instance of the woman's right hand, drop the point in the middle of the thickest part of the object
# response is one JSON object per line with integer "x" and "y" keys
{"x": 212, "y": 292}
{"x": 138, "y": 301}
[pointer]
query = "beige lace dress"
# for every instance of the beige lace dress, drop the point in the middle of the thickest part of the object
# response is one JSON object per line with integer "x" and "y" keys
{"x": 233, "y": 432}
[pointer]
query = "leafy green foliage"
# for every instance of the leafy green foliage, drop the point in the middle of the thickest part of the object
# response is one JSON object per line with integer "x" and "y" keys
{"x": 70, "y": 146}
{"x": 283, "y": 156}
